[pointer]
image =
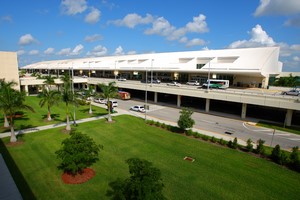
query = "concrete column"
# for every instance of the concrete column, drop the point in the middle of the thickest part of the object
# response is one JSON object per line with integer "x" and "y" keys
{"x": 288, "y": 117}
{"x": 26, "y": 90}
{"x": 178, "y": 101}
{"x": 155, "y": 97}
{"x": 207, "y": 105}
{"x": 244, "y": 110}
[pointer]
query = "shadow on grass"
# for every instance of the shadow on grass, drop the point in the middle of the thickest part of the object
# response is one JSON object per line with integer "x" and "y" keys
{"x": 20, "y": 181}
{"x": 55, "y": 117}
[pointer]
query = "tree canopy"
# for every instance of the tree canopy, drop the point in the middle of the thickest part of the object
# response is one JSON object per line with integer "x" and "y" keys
{"x": 185, "y": 119}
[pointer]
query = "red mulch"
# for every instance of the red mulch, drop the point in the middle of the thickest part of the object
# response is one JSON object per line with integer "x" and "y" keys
{"x": 79, "y": 178}
{"x": 12, "y": 144}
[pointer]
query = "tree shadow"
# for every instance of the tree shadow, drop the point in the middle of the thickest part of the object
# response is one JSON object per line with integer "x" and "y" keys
{"x": 55, "y": 117}
{"x": 15, "y": 172}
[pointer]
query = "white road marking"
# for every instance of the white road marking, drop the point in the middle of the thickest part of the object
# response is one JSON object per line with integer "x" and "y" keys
{"x": 256, "y": 130}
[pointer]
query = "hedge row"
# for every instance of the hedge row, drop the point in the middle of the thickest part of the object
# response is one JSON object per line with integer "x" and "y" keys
{"x": 291, "y": 160}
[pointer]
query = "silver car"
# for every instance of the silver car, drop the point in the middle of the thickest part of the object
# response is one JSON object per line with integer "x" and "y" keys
{"x": 292, "y": 92}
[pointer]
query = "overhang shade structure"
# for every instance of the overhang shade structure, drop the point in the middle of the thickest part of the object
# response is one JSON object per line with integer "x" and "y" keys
{"x": 259, "y": 61}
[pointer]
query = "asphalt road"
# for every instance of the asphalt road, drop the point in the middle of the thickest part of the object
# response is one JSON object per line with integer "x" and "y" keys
{"x": 219, "y": 125}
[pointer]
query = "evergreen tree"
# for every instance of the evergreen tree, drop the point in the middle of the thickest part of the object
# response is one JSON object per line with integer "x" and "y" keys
{"x": 185, "y": 120}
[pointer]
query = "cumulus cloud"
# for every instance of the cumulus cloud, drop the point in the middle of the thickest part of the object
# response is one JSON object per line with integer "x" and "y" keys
{"x": 198, "y": 25}
{"x": 132, "y": 20}
{"x": 93, "y": 17}
{"x": 77, "y": 50}
{"x": 97, "y": 51}
{"x": 260, "y": 38}
{"x": 160, "y": 26}
{"x": 49, "y": 51}
{"x": 277, "y": 7}
{"x": 73, "y": 7}
{"x": 195, "y": 42}
{"x": 119, "y": 51}
{"x": 21, "y": 52}
{"x": 33, "y": 52}
{"x": 93, "y": 38}
{"x": 7, "y": 18}
{"x": 69, "y": 52}
{"x": 27, "y": 39}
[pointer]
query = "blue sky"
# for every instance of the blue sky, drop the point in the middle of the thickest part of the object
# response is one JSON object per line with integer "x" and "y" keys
{"x": 64, "y": 29}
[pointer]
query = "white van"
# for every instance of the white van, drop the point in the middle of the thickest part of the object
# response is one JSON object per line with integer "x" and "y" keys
{"x": 114, "y": 103}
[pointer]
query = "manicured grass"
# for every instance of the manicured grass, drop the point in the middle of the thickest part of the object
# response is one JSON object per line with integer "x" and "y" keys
{"x": 39, "y": 117}
{"x": 216, "y": 173}
{"x": 290, "y": 129}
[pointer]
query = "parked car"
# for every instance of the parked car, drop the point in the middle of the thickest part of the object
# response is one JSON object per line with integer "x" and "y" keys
{"x": 174, "y": 83}
{"x": 157, "y": 81}
{"x": 293, "y": 92}
{"x": 113, "y": 102}
{"x": 138, "y": 108}
{"x": 193, "y": 83}
{"x": 84, "y": 76}
{"x": 100, "y": 100}
{"x": 122, "y": 79}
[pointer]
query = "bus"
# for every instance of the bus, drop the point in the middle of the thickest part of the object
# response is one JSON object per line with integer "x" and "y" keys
{"x": 124, "y": 95}
{"x": 217, "y": 84}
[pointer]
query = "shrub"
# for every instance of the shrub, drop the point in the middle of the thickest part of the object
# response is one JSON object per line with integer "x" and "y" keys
{"x": 189, "y": 132}
{"x": 249, "y": 146}
{"x": 157, "y": 124}
{"x": 295, "y": 159}
{"x": 205, "y": 137}
{"x": 78, "y": 152}
{"x": 260, "y": 149}
{"x": 275, "y": 155}
{"x": 213, "y": 139}
{"x": 235, "y": 143}
{"x": 185, "y": 120}
{"x": 163, "y": 125}
{"x": 222, "y": 141}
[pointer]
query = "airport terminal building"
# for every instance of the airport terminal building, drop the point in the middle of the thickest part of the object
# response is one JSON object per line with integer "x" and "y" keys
{"x": 247, "y": 67}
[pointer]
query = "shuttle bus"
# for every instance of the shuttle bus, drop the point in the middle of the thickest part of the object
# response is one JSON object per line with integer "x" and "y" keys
{"x": 124, "y": 95}
{"x": 217, "y": 84}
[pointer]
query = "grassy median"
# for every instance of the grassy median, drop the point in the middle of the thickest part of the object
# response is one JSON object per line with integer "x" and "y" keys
{"x": 216, "y": 173}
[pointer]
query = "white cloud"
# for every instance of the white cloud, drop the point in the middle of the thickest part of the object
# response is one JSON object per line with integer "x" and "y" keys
{"x": 93, "y": 17}
{"x": 259, "y": 37}
{"x": 49, "y": 51}
{"x": 296, "y": 58}
{"x": 73, "y": 7}
{"x": 160, "y": 26}
{"x": 21, "y": 52}
{"x": 195, "y": 42}
{"x": 7, "y": 18}
{"x": 131, "y": 52}
{"x": 198, "y": 25}
{"x": 92, "y": 38}
{"x": 27, "y": 39}
{"x": 77, "y": 50}
{"x": 132, "y": 20}
{"x": 33, "y": 52}
{"x": 97, "y": 51}
{"x": 64, "y": 52}
{"x": 119, "y": 51}
{"x": 277, "y": 7}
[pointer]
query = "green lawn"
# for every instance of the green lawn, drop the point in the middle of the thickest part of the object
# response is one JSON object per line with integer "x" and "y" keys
{"x": 217, "y": 173}
{"x": 39, "y": 117}
{"x": 291, "y": 129}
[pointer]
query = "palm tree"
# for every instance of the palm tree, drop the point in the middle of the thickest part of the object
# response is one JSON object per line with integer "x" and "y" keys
{"x": 49, "y": 81}
{"x": 12, "y": 101}
{"x": 67, "y": 97}
{"x": 109, "y": 91}
{"x": 88, "y": 94}
{"x": 3, "y": 85}
{"x": 51, "y": 98}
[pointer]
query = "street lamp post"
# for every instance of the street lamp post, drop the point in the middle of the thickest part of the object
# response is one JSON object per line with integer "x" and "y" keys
{"x": 146, "y": 95}
{"x": 208, "y": 78}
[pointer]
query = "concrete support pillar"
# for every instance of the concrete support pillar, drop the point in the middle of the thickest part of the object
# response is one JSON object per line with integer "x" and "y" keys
{"x": 26, "y": 90}
{"x": 155, "y": 97}
{"x": 244, "y": 110}
{"x": 207, "y": 105}
{"x": 178, "y": 101}
{"x": 288, "y": 117}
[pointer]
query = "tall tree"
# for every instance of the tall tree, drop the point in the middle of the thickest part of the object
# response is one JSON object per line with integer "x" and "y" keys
{"x": 109, "y": 91}
{"x": 49, "y": 98}
{"x": 145, "y": 182}
{"x": 67, "y": 97}
{"x": 12, "y": 101}
{"x": 49, "y": 81}
{"x": 3, "y": 85}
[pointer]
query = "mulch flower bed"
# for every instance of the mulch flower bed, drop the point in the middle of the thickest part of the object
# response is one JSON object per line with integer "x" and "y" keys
{"x": 189, "y": 159}
{"x": 12, "y": 144}
{"x": 79, "y": 178}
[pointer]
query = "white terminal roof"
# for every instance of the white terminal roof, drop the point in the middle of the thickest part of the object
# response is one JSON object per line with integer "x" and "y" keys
{"x": 247, "y": 61}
